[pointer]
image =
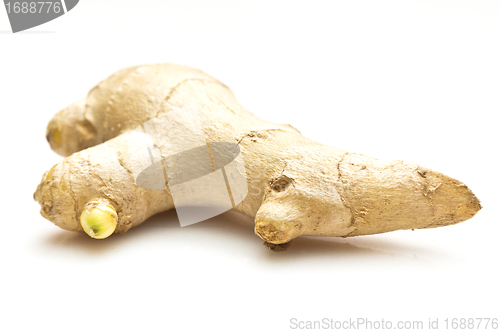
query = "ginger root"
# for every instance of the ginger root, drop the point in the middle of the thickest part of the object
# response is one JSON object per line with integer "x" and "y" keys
{"x": 297, "y": 187}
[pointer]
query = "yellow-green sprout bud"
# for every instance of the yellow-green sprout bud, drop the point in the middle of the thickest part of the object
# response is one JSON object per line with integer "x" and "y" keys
{"x": 98, "y": 220}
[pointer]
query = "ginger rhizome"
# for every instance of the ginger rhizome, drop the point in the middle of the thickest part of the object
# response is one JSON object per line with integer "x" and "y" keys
{"x": 297, "y": 187}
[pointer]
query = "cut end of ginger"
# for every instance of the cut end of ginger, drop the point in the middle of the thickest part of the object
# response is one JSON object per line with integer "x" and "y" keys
{"x": 98, "y": 220}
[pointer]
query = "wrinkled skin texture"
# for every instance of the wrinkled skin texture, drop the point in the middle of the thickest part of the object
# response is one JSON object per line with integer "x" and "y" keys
{"x": 296, "y": 186}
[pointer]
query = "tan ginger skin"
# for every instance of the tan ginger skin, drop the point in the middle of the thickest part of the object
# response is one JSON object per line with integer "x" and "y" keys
{"x": 297, "y": 187}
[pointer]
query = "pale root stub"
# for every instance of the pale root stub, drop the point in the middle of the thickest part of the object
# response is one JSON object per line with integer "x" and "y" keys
{"x": 296, "y": 186}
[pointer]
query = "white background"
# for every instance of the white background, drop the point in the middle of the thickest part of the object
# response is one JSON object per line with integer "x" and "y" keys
{"x": 412, "y": 80}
